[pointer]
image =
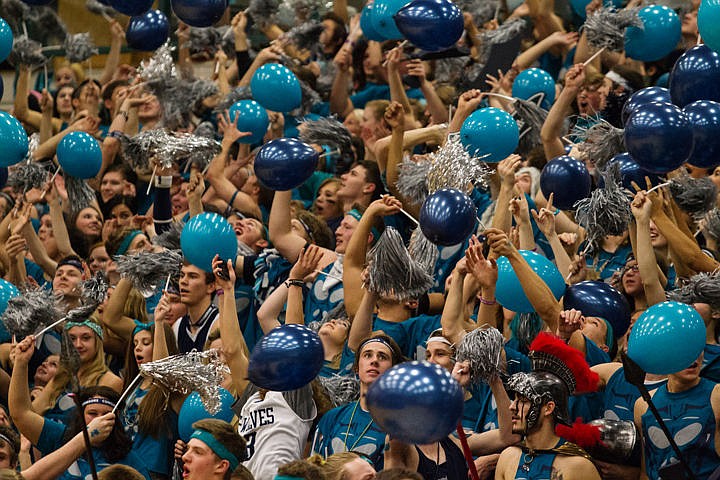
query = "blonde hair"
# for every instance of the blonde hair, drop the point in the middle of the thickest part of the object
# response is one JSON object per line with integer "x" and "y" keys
{"x": 334, "y": 466}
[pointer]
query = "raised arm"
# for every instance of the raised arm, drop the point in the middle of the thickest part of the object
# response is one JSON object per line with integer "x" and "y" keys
{"x": 521, "y": 213}
{"x": 113, "y": 316}
{"x": 21, "y": 110}
{"x": 362, "y": 320}
{"x": 506, "y": 169}
{"x": 340, "y": 103}
{"x": 485, "y": 272}
{"x": 454, "y": 311}
{"x": 436, "y": 107}
{"x": 557, "y": 39}
{"x": 304, "y": 268}
{"x": 29, "y": 423}
{"x": 397, "y": 90}
{"x": 647, "y": 263}
{"x": 60, "y": 231}
{"x": 545, "y": 220}
{"x": 282, "y": 237}
{"x": 266, "y": 55}
{"x": 160, "y": 348}
{"x": 112, "y": 60}
{"x": 551, "y": 132}
{"x": 234, "y": 347}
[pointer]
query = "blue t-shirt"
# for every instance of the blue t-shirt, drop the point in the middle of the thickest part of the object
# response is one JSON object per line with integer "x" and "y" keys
{"x": 320, "y": 299}
{"x": 344, "y": 367}
{"x": 350, "y": 428}
{"x": 157, "y": 452}
{"x": 711, "y": 363}
{"x": 51, "y": 438}
{"x": 620, "y": 396}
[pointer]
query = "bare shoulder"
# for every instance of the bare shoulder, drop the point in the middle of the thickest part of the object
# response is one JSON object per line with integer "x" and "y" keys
{"x": 507, "y": 463}
{"x": 572, "y": 467}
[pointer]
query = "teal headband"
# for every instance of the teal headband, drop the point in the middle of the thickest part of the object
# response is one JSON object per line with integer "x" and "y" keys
{"x": 125, "y": 244}
{"x": 287, "y": 477}
{"x": 87, "y": 323}
{"x": 217, "y": 447}
{"x": 610, "y": 337}
{"x": 139, "y": 327}
{"x": 355, "y": 213}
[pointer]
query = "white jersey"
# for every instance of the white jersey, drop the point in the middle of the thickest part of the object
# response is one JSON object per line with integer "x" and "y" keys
{"x": 275, "y": 430}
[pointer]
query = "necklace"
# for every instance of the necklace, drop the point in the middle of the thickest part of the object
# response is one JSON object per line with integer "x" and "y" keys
{"x": 362, "y": 434}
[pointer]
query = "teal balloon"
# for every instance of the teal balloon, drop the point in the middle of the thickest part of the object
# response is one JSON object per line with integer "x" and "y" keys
{"x": 708, "y": 21}
{"x": 276, "y": 88}
{"x": 658, "y": 37}
{"x": 205, "y": 236}
{"x": 7, "y": 291}
{"x": 490, "y": 131}
{"x": 6, "y": 40}
{"x": 382, "y": 18}
{"x": 509, "y": 292}
{"x": 251, "y": 117}
{"x": 79, "y": 154}
{"x": 366, "y": 24}
{"x": 578, "y": 6}
{"x": 193, "y": 410}
{"x": 667, "y": 338}
{"x": 13, "y": 139}
{"x": 533, "y": 82}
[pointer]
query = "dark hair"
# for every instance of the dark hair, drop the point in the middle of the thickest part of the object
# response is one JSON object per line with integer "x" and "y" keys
{"x": 316, "y": 228}
{"x": 131, "y": 369}
{"x": 119, "y": 472}
{"x": 226, "y": 435}
{"x": 80, "y": 242}
{"x": 112, "y": 244}
{"x": 118, "y": 444}
{"x": 397, "y": 356}
{"x": 76, "y": 92}
{"x": 340, "y": 32}
{"x": 126, "y": 200}
{"x": 209, "y": 276}
{"x": 372, "y": 175}
{"x": 14, "y": 443}
{"x": 110, "y": 88}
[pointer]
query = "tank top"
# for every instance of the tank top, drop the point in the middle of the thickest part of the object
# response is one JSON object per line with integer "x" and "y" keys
{"x": 620, "y": 396}
{"x": 454, "y": 466}
{"x": 537, "y": 466}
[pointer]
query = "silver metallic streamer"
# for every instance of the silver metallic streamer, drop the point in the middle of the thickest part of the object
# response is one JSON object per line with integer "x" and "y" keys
{"x": 341, "y": 389}
{"x": 482, "y": 11}
{"x": 146, "y": 270}
{"x": 327, "y": 131}
{"x": 423, "y": 251}
{"x": 605, "y": 28}
{"x": 533, "y": 116}
{"x": 168, "y": 148}
{"x": 29, "y": 312}
{"x": 27, "y": 175}
{"x": 696, "y": 196}
{"x": 482, "y": 348}
{"x": 305, "y": 36}
{"x": 607, "y": 210}
{"x": 263, "y": 12}
{"x": 160, "y": 66}
{"x": 27, "y": 51}
{"x": 602, "y": 143}
{"x": 712, "y": 223}
{"x": 80, "y": 195}
{"x": 239, "y": 93}
{"x": 195, "y": 371}
{"x": 700, "y": 288}
{"x": 170, "y": 238}
{"x": 98, "y": 8}
{"x": 79, "y": 47}
{"x": 412, "y": 179}
{"x": 503, "y": 34}
{"x": 453, "y": 167}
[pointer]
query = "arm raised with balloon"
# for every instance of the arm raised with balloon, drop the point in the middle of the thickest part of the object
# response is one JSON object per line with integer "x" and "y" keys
{"x": 645, "y": 254}
{"x": 506, "y": 170}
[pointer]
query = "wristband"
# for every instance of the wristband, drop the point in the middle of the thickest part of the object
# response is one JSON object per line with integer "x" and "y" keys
{"x": 164, "y": 181}
{"x": 487, "y": 302}
{"x": 116, "y": 134}
{"x": 294, "y": 282}
{"x": 219, "y": 291}
{"x": 124, "y": 114}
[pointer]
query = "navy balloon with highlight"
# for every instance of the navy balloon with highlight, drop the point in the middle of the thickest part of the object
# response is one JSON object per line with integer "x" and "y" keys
{"x": 704, "y": 115}
{"x": 447, "y": 217}
{"x": 567, "y": 178}
{"x": 285, "y": 163}
{"x": 598, "y": 299}
{"x": 643, "y": 96}
{"x": 148, "y": 32}
{"x": 131, "y": 8}
{"x": 695, "y": 76}
{"x": 431, "y": 25}
{"x": 631, "y": 172}
{"x": 199, "y": 13}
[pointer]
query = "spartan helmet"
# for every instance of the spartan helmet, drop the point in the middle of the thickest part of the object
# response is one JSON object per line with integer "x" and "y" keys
{"x": 541, "y": 387}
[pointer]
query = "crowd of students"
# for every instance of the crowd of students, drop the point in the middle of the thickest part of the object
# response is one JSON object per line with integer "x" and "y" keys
{"x": 302, "y": 259}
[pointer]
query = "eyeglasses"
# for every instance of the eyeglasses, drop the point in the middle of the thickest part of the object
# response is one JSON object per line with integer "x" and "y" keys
{"x": 632, "y": 268}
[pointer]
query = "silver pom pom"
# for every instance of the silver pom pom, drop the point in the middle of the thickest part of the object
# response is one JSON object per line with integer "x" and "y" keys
{"x": 80, "y": 195}
{"x": 532, "y": 118}
{"x": 423, "y": 251}
{"x": 94, "y": 290}
{"x": 168, "y": 148}
{"x": 79, "y": 47}
{"x": 391, "y": 270}
{"x": 27, "y": 175}
{"x": 170, "y": 238}
{"x": 450, "y": 69}
{"x": 605, "y": 28}
{"x": 607, "y": 210}
{"x": 305, "y": 36}
{"x": 206, "y": 130}
{"x": 263, "y": 12}
{"x": 327, "y": 131}
{"x": 453, "y": 167}
{"x": 199, "y": 372}
{"x": 341, "y": 389}
{"x": 482, "y": 11}
{"x": 310, "y": 98}
{"x": 29, "y": 312}
{"x": 503, "y": 34}
{"x": 160, "y": 66}
{"x": 239, "y": 93}
{"x": 209, "y": 41}
{"x": 147, "y": 270}
{"x": 412, "y": 179}
{"x": 602, "y": 143}
{"x": 98, "y": 8}
{"x": 712, "y": 223}
{"x": 27, "y": 51}
{"x": 696, "y": 196}
{"x": 700, "y": 288}
{"x": 482, "y": 348}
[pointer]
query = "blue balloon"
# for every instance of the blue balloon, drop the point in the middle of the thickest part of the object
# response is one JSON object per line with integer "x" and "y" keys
{"x": 643, "y": 96}
{"x": 658, "y": 37}
{"x": 695, "y": 76}
{"x": 382, "y": 18}
{"x": 132, "y": 8}
{"x": 251, "y": 117}
{"x": 417, "y": 402}
{"x": 630, "y": 172}
{"x": 663, "y": 80}
{"x": 431, "y": 25}
{"x": 79, "y": 154}
{"x": 667, "y": 338}
{"x": 3, "y": 176}
{"x": 447, "y": 217}
{"x": 599, "y": 299}
{"x": 285, "y": 163}
{"x": 490, "y": 131}
{"x": 366, "y": 24}
{"x": 531, "y": 83}
{"x": 2, "y": 88}
{"x": 37, "y": 3}
{"x": 193, "y": 410}
{"x": 708, "y": 19}
{"x": 287, "y": 358}
{"x": 659, "y": 137}
{"x": 568, "y": 179}
{"x": 276, "y": 88}
{"x": 578, "y": 6}
{"x": 14, "y": 140}
{"x": 199, "y": 13}
{"x": 7, "y": 291}
{"x": 509, "y": 292}
{"x": 704, "y": 116}
{"x": 148, "y": 31}
{"x": 6, "y": 40}
{"x": 205, "y": 236}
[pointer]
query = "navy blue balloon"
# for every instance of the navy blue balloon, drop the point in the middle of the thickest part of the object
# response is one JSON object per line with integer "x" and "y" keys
{"x": 659, "y": 137}
{"x": 566, "y": 177}
{"x": 287, "y": 358}
{"x": 131, "y": 8}
{"x": 643, "y": 96}
{"x": 695, "y": 76}
{"x": 704, "y": 116}
{"x": 148, "y": 31}
{"x": 3, "y": 176}
{"x": 447, "y": 217}
{"x": 599, "y": 299}
{"x": 37, "y": 3}
{"x": 431, "y": 25}
{"x": 416, "y": 402}
{"x": 199, "y": 13}
{"x": 285, "y": 163}
{"x": 630, "y": 172}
